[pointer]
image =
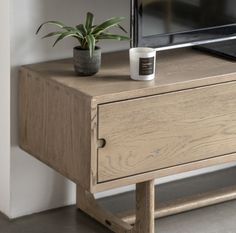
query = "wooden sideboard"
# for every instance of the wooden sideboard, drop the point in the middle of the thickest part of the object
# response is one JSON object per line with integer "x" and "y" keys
{"x": 108, "y": 131}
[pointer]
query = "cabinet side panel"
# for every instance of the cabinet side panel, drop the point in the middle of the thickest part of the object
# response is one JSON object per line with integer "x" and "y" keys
{"x": 55, "y": 126}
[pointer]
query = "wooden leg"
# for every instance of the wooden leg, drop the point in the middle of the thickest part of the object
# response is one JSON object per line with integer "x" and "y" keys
{"x": 188, "y": 203}
{"x": 144, "y": 210}
{"x": 88, "y": 204}
{"x": 145, "y": 207}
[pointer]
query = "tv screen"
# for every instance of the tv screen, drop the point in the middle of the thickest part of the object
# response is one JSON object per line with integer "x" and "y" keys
{"x": 175, "y": 23}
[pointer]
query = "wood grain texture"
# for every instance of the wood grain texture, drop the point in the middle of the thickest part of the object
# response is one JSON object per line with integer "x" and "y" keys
{"x": 59, "y": 117}
{"x": 176, "y": 70}
{"x": 88, "y": 204}
{"x": 145, "y": 207}
{"x": 188, "y": 203}
{"x": 56, "y": 127}
{"x": 166, "y": 130}
{"x": 108, "y": 131}
{"x": 165, "y": 172}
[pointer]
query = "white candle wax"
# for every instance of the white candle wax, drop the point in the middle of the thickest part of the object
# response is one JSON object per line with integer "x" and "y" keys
{"x": 142, "y": 63}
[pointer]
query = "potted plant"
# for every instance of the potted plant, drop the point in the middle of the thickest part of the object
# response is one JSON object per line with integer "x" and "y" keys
{"x": 87, "y": 55}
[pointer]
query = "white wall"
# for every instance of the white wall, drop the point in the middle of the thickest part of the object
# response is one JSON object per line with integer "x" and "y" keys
{"x": 34, "y": 186}
{"x": 4, "y": 109}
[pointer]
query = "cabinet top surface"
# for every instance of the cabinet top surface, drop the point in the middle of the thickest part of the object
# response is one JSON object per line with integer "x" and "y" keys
{"x": 176, "y": 70}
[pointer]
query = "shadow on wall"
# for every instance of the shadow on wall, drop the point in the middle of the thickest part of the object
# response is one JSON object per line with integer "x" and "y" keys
{"x": 26, "y": 47}
{"x": 35, "y": 187}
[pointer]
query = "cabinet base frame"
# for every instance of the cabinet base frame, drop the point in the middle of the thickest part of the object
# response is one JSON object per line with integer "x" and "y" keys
{"x": 142, "y": 219}
{"x": 188, "y": 203}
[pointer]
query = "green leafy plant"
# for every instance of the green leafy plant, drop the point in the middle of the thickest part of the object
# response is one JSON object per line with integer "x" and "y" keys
{"x": 87, "y": 34}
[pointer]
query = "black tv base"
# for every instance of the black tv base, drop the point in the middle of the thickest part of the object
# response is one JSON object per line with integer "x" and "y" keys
{"x": 225, "y": 49}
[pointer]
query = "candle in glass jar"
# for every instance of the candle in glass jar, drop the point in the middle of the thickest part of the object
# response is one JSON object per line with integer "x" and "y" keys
{"x": 142, "y": 63}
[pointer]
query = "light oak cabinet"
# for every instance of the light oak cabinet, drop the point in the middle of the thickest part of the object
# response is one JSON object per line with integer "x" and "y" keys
{"x": 108, "y": 131}
{"x": 152, "y": 133}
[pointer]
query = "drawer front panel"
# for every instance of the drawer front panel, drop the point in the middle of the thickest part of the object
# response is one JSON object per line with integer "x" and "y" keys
{"x": 166, "y": 130}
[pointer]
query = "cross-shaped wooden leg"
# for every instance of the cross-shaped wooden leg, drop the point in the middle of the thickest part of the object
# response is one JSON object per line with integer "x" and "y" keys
{"x": 145, "y": 202}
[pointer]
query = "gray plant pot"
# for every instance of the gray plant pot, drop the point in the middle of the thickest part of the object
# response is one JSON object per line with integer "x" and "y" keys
{"x": 84, "y": 64}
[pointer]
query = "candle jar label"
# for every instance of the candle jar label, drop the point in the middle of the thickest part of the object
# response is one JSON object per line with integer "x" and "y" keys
{"x": 146, "y": 66}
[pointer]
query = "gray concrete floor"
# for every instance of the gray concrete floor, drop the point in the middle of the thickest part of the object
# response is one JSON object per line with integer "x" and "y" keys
{"x": 216, "y": 219}
{"x": 219, "y": 218}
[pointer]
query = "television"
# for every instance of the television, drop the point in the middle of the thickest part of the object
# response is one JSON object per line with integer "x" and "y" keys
{"x": 165, "y": 24}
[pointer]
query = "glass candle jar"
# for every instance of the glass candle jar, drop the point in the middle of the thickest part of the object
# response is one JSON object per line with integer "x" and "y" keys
{"x": 142, "y": 63}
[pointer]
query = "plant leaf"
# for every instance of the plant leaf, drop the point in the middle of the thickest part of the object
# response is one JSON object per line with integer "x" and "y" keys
{"x": 91, "y": 41}
{"x": 65, "y": 35}
{"x": 82, "y": 29}
{"x": 56, "y": 23}
{"x": 122, "y": 28}
{"x": 74, "y": 30}
{"x": 111, "y": 36}
{"x": 107, "y": 24}
{"x": 68, "y": 28}
{"x": 52, "y": 34}
{"x": 89, "y": 21}
{"x": 80, "y": 35}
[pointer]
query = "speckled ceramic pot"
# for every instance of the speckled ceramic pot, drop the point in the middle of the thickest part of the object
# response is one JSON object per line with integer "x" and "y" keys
{"x": 84, "y": 64}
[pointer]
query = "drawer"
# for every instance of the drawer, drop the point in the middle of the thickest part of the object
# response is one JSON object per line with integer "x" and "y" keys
{"x": 161, "y": 131}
